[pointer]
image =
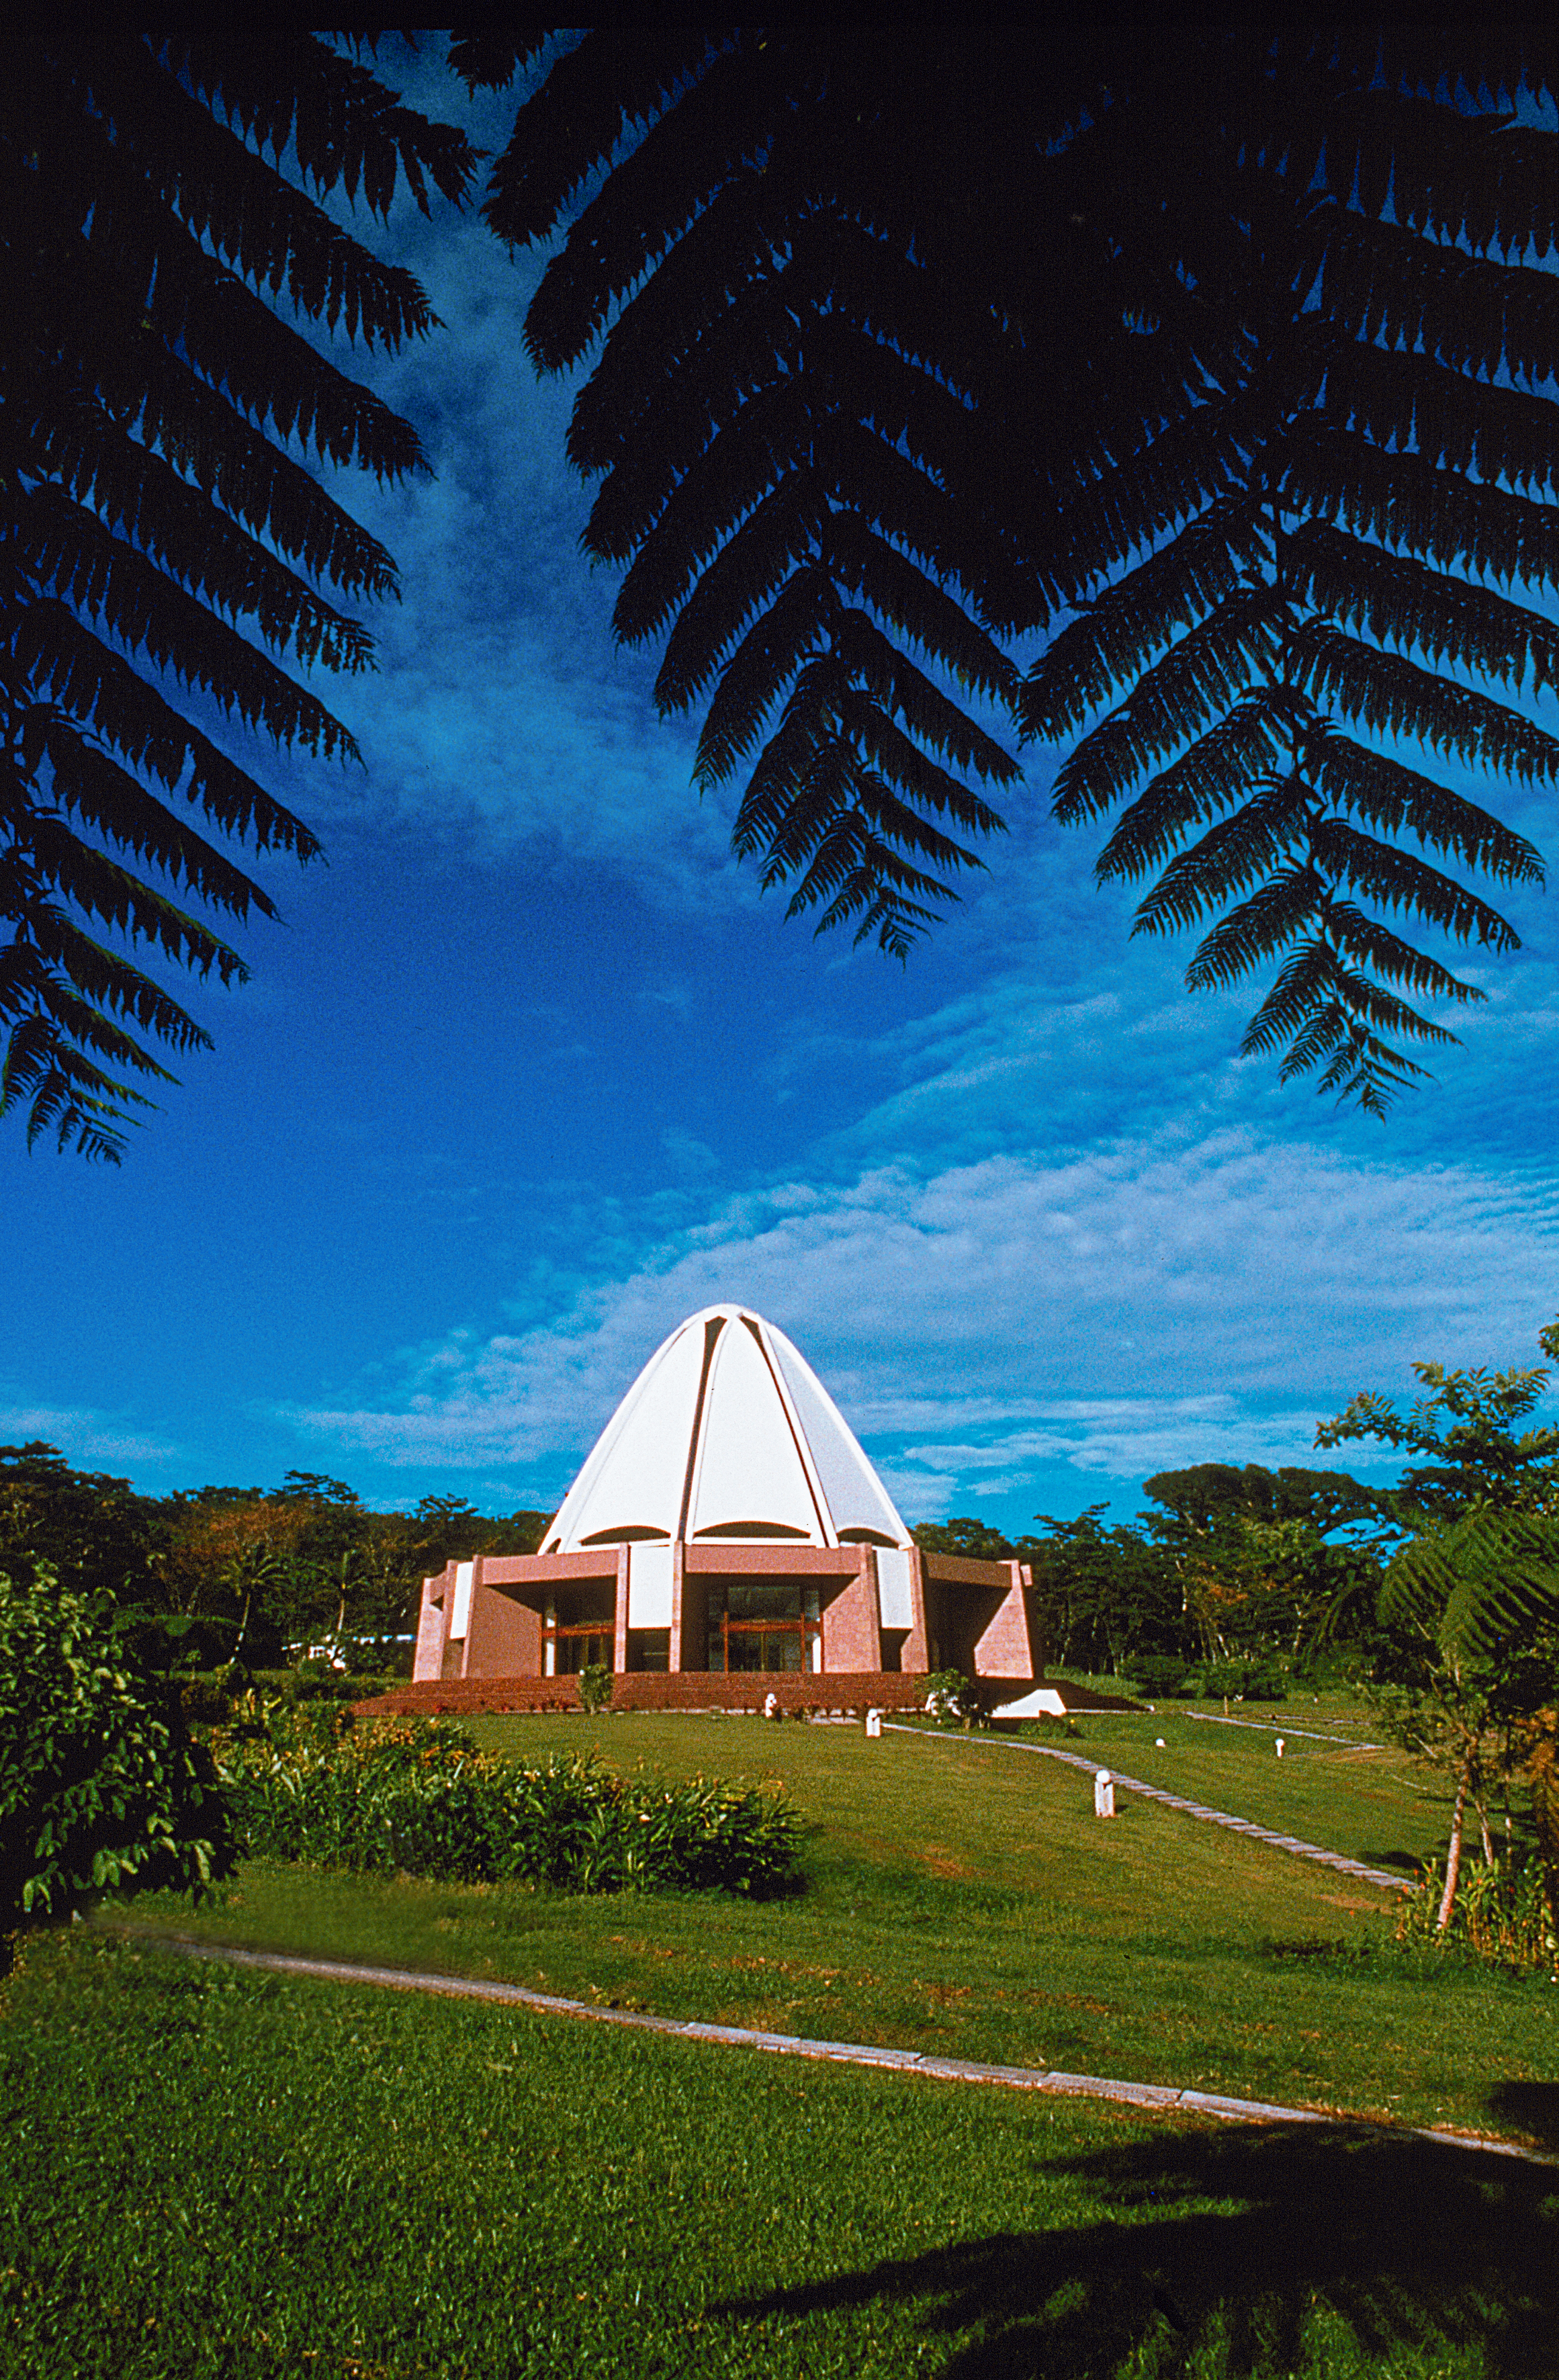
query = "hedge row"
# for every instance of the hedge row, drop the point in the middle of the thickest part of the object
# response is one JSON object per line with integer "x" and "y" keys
{"x": 417, "y": 1795}
{"x": 1163, "y": 1674}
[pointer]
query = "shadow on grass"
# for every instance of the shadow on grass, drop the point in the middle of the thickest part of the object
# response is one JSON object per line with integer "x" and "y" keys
{"x": 1530, "y": 2108}
{"x": 1252, "y": 2252}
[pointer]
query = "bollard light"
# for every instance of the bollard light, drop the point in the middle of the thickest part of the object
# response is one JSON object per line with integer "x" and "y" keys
{"x": 1103, "y": 1794}
{"x": 1278, "y": 1748}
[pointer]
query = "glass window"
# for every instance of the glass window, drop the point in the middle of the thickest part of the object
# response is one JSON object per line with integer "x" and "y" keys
{"x": 759, "y": 1624}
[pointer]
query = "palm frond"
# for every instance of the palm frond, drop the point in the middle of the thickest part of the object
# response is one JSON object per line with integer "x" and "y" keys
{"x": 1121, "y": 631}
{"x": 1439, "y": 516}
{"x": 797, "y": 623}
{"x": 152, "y": 515}
{"x": 1397, "y": 880}
{"x": 1478, "y": 1584}
{"x": 1235, "y": 854}
{"x": 1397, "y": 601}
{"x": 1231, "y": 348}
{"x": 1237, "y": 756}
{"x": 1387, "y": 794}
{"x": 1175, "y": 700}
{"x": 1394, "y": 696}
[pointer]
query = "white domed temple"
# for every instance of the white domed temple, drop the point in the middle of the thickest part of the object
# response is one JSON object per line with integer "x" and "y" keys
{"x": 726, "y": 1521}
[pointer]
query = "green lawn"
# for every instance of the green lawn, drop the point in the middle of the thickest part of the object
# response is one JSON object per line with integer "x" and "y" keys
{"x": 1360, "y": 1795}
{"x": 215, "y": 2174}
{"x": 962, "y": 1900}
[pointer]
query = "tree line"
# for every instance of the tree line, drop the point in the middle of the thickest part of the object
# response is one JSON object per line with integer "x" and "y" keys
{"x": 1235, "y": 1565}
{"x": 217, "y": 1574}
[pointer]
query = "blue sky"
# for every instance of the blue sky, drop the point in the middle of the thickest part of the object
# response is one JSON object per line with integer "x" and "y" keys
{"x": 531, "y": 1071}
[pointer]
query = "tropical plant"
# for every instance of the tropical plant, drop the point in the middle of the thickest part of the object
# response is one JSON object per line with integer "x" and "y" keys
{"x": 1266, "y": 1558}
{"x": 1106, "y": 1594}
{"x": 1477, "y": 1580}
{"x": 165, "y": 539}
{"x": 594, "y": 1681}
{"x": 101, "y": 1788}
{"x": 313, "y": 1784}
{"x": 1224, "y": 351}
{"x": 950, "y": 1698}
{"x": 93, "y": 1531}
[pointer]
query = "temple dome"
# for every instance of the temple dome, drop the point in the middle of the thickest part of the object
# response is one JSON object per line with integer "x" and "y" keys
{"x": 726, "y": 1433}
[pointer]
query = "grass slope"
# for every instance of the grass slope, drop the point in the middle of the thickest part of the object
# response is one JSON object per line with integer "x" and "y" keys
{"x": 209, "y": 2173}
{"x": 962, "y": 1900}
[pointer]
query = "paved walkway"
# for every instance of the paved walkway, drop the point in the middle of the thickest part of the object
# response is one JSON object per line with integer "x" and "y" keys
{"x": 1160, "y": 2096}
{"x": 1277, "y": 1726}
{"x": 1381, "y": 1876}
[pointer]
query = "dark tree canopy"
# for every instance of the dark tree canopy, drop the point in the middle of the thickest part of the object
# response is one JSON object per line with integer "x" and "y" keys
{"x": 164, "y": 544}
{"x": 1209, "y": 1492}
{"x": 1221, "y": 356}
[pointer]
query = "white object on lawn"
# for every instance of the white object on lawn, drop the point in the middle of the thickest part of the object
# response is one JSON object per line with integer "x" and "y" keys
{"x": 1044, "y": 1703}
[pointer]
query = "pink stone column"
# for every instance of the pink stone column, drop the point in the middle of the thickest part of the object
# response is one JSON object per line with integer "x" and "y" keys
{"x": 620, "y": 1631}
{"x": 674, "y": 1649}
{"x": 433, "y": 1626}
{"x": 466, "y": 1668}
{"x": 915, "y": 1657}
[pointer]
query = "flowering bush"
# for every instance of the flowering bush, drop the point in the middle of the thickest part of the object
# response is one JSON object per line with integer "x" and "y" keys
{"x": 313, "y": 1784}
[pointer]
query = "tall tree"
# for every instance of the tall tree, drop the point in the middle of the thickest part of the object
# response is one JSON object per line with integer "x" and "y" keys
{"x": 1477, "y": 1580}
{"x": 1221, "y": 356}
{"x": 163, "y": 542}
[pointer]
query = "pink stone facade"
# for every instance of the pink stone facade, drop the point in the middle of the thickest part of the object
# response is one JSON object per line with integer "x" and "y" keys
{"x": 537, "y": 1615}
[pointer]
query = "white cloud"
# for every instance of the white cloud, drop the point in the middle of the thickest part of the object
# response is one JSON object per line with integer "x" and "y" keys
{"x": 83, "y": 1434}
{"x": 1160, "y": 1301}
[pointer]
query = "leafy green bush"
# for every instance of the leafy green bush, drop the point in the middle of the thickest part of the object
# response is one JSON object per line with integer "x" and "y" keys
{"x": 1249, "y": 1682}
{"x": 1163, "y": 1675}
{"x": 209, "y": 1697}
{"x": 949, "y": 1699}
{"x": 594, "y": 1687}
{"x": 101, "y": 1788}
{"x": 416, "y": 1795}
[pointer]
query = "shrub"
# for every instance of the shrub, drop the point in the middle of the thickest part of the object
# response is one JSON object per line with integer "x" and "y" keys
{"x": 1162, "y": 1674}
{"x": 594, "y": 1687}
{"x": 208, "y": 1697}
{"x": 949, "y": 1699}
{"x": 1500, "y": 1914}
{"x": 416, "y": 1795}
{"x": 1249, "y": 1682}
{"x": 101, "y": 1788}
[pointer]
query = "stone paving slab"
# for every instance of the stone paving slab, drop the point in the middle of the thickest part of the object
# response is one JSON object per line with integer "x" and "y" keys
{"x": 1160, "y": 2096}
{"x": 1345, "y": 1866}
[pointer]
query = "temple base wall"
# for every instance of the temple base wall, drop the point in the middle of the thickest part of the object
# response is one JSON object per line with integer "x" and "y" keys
{"x": 487, "y": 1619}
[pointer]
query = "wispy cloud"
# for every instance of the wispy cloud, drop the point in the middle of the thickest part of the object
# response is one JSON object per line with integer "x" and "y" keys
{"x": 83, "y": 1435}
{"x": 1160, "y": 1302}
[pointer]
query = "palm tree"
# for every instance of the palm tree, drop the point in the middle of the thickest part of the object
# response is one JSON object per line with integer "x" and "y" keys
{"x": 163, "y": 542}
{"x": 1219, "y": 357}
